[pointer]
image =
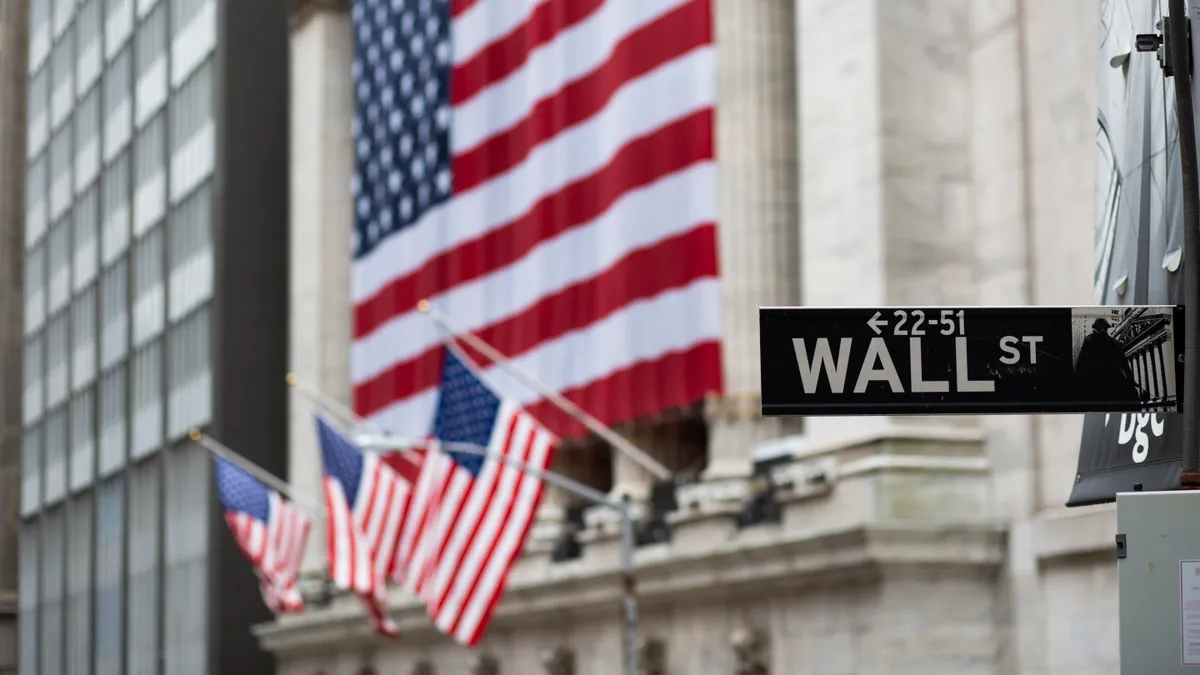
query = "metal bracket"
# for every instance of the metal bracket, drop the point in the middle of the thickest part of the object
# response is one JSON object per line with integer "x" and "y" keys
{"x": 1159, "y": 43}
{"x": 1122, "y": 549}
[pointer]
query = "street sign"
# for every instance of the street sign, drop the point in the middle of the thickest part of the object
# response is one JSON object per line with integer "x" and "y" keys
{"x": 945, "y": 360}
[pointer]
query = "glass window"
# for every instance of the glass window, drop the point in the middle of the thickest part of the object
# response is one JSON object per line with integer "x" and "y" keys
{"x": 55, "y": 439}
{"x": 31, "y": 470}
{"x": 151, "y": 42}
{"x": 87, "y": 42}
{"x": 53, "y": 578}
{"x": 145, "y": 514}
{"x": 61, "y": 186}
{"x": 86, "y": 218}
{"x": 28, "y": 597}
{"x": 118, "y": 108}
{"x": 149, "y": 304}
{"x": 59, "y": 253}
{"x": 189, "y": 375}
{"x": 87, "y": 140}
{"x": 39, "y": 113}
{"x": 56, "y": 360}
{"x": 185, "y": 552}
{"x": 189, "y": 254}
{"x": 115, "y": 237}
{"x": 110, "y": 591}
{"x": 35, "y": 201}
{"x": 118, "y": 22}
{"x": 62, "y": 92}
{"x": 83, "y": 338}
{"x": 114, "y": 313}
{"x": 149, "y": 154}
{"x": 33, "y": 400}
{"x": 150, "y": 196}
{"x": 191, "y": 108}
{"x": 35, "y": 285}
{"x": 83, "y": 433}
{"x": 147, "y": 400}
{"x": 182, "y": 13}
{"x": 113, "y": 437}
{"x": 79, "y": 583}
{"x": 63, "y": 10}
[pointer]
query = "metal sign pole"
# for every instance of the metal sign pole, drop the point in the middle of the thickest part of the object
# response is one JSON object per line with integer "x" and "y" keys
{"x": 629, "y": 611}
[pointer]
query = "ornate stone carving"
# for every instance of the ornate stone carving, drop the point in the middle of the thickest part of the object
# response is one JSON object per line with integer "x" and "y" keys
{"x": 559, "y": 661}
{"x": 652, "y": 656}
{"x": 485, "y": 664}
{"x": 750, "y": 650}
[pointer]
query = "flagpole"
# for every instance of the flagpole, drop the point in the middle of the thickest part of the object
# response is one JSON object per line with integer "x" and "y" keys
{"x": 561, "y": 402}
{"x": 629, "y": 603}
{"x": 330, "y": 403}
{"x": 262, "y": 475}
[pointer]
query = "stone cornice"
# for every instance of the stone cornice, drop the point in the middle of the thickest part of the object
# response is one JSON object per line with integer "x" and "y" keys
{"x": 712, "y": 560}
{"x": 1085, "y": 530}
{"x": 303, "y": 10}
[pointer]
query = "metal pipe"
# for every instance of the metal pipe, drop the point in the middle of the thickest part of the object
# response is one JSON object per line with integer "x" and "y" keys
{"x": 1180, "y": 58}
{"x": 561, "y": 402}
{"x": 390, "y": 442}
{"x": 262, "y": 475}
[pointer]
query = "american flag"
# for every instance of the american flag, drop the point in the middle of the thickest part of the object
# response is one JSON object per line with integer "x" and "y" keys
{"x": 364, "y": 501}
{"x": 470, "y": 515}
{"x": 269, "y": 530}
{"x": 543, "y": 172}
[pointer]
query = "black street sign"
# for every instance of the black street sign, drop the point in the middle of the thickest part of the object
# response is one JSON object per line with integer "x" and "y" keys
{"x": 945, "y": 360}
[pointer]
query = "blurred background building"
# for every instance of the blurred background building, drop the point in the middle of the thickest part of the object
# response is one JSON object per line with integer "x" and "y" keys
{"x": 869, "y": 153}
{"x": 14, "y": 49}
{"x": 154, "y": 302}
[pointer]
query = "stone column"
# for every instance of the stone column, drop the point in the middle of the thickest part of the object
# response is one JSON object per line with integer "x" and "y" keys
{"x": 759, "y": 235}
{"x": 885, "y": 164}
{"x": 322, "y": 108}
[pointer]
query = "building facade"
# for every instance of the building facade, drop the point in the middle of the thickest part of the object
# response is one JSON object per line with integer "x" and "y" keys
{"x": 870, "y": 153}
{"x": 154, "y": 302}
{"x": 14, "y": 35}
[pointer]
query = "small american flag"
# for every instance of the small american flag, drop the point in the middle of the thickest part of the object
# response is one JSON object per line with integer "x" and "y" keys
{"x": 269, "y": 530}
{"x": 364, "y": 501}
{"x": 543, "y": 172}
{"x": 470, "y": 515}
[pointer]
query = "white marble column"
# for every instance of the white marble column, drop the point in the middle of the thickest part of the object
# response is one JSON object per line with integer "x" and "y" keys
{"x": 886, "y": 213}
{"x": 758, "y": 230}
{"x": 322, "y": 220}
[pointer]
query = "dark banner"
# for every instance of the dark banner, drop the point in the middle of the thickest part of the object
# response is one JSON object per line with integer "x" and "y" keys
{"x": 1138, "y": 243}
{"x": 946, "y": 360}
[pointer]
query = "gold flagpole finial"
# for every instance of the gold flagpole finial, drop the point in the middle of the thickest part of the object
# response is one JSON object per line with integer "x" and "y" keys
{"x": 195, "y": 435}
{"x": 291, "y": 379}
{"x": 423, "y": 306}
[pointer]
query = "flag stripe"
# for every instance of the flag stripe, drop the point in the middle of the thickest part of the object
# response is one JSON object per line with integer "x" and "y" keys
{"x": 639, "y": 164}
{"x": 611, "y": 345}
{"x": 460, "y": 576}
{"x": 572, "y": 55}
{"x": 637, "y": 222}
{"x": 501, "y": 58}
{"x": 647, "y": 49}
{"x": 488, "y": 585}
{"x": 670, "y": 265}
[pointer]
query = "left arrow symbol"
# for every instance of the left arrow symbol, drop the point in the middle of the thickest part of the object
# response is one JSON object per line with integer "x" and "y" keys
{"x": 875, "y": 322}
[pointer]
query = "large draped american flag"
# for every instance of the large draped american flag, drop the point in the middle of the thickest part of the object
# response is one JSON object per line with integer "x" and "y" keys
{"x": 543, "y": 172}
